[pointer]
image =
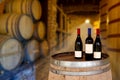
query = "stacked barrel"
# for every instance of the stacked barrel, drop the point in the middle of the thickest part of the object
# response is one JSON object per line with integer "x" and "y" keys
{"x": 10, "y": 52}
{"x": 104, "y": 23}
{"x": 2, "y": 3}
{"x": 114, "y": 36}
{"x": 22, "y": 33}
{"x": 112, "y": 19}
{"x": 29, "y": 7}
{"x": 15, "y": 25}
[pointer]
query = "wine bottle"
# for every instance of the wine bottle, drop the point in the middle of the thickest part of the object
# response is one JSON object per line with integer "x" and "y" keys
{"x": 89, "y": 46}
{"x": 78, "y": 46}
{"x": 97, "y": 46}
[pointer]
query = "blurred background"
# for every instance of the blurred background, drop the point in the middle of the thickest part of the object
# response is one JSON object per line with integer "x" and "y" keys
{"x": 42, "y": 28}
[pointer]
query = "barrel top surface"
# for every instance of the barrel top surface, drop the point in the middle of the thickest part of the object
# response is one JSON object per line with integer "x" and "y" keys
{"x": 69, "y": 56}
{"x": 36, "y": 9}
{"x": 26, "y": 26}
{"x": 41, "y": 30}
{"x": 67, "y": 59}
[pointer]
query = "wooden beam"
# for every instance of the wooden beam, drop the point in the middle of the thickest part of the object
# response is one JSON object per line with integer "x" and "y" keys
{"x": 93, "y": 1}
{"x": 82, "y": 1}
{"x": 61, "y": 10}
{"x": 81, "y": 8}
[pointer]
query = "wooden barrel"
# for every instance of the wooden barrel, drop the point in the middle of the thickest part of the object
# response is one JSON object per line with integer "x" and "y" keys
{"x": 64, "y": 66}
{"x": 10, "y": 52}
{"x": 8, "y": 6}
{"x": 114, "y": 37}
{"x": 16, "y": 6}
{"x": 32, "y": 50}
{"x": 2, "y": 7}
{"x": 24, "y": 4}
{"x": 3, "y": 23}
{"x": 36, "y": 9}
{"x": 44, "y": 48}
{"x": 18, "y": 25}
{"x": 40, "y": 31}
{"x": 104, "y": 23}
{"x": 30, "y": 7}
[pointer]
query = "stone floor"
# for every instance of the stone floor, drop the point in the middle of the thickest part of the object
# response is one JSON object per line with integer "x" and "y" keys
{"x": 42, "y": 68}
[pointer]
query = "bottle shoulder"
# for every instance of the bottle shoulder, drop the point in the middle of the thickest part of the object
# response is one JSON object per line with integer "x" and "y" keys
{"x": 89, "y": 37}
{"x": 79, "y": 38}
{"x": 97, "y": 40}
{"x": 89, "y": 40}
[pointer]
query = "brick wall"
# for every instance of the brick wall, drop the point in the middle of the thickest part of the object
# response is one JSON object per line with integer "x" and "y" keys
{"x": 52, "y": 25}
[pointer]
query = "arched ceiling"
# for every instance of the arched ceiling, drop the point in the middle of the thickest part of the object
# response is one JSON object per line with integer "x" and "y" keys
{"x": 79, "y": 6}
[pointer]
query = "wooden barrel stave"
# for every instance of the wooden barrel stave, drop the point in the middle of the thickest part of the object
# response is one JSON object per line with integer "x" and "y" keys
{"x": 113, "y": 35}
{"x": 13, "y": 29}
{"x": 10, "y": 24}
{"x": 16, "y": 6}
{"x": 104, "y": 23}
{"x": 3, "y": 23}
{"x": 113, "y": 60}
{"x": 18, "y": 34}
{"x": 28, "y": 8}
{"x": 8, "y": 6}
{"x": 114, "y": 13}
{"x": 112, "y": 2}
{"x": 24, "y": 9}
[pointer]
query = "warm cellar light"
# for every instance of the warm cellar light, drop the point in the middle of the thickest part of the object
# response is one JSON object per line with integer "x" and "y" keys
{"x": 87, "y": 21}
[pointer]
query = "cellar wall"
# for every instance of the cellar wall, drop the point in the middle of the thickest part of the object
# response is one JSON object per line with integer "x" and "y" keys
{"x": 77, "y": 20}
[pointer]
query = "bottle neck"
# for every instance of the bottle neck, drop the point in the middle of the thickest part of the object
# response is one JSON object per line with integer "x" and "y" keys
{"x": 89, "y": 35}
{"x": 89, "y": 32}
{"x": 97, "y": 32}
{"x": 97, "y": 35}
{"x": 78, "y": 32}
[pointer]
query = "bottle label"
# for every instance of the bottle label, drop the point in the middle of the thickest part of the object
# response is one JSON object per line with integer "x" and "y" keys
{"x": 97, "y": 54}
{"x": 78, "y": 53}
{"x": 89, "y": 48}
